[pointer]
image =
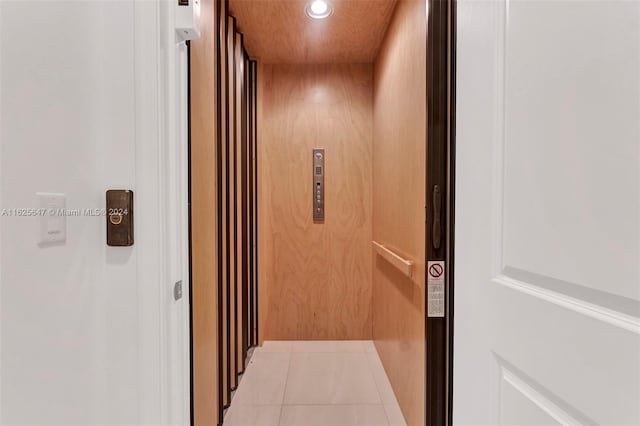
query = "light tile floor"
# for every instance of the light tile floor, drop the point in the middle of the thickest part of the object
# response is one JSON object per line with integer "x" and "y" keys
{"x": 314, "y": 383}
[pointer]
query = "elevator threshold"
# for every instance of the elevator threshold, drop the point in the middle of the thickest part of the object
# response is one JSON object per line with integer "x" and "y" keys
{"x": 314, "y": 383}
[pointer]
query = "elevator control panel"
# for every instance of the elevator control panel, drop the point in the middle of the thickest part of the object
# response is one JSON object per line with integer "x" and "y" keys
{"x": 318, "y": 184}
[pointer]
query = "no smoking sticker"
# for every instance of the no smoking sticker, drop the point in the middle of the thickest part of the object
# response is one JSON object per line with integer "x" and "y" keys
{"x": 436, "y": 270}
{"x": 435, "y": 289}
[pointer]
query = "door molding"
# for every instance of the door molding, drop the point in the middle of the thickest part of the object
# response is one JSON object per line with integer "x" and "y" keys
{"x": 441, "y": 24}
{"x": 151, "y": 347}
{"x": 160, "y": 186}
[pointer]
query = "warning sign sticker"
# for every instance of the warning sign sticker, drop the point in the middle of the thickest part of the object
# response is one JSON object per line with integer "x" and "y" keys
{"x": 435, "y": 289}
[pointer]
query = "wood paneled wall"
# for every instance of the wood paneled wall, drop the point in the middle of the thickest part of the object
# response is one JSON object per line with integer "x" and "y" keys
{"x": 399, "y": 174}
{"x": 315, "y": 278}
{"x": 204, "y": 207}
{"x": 222, "y": 132}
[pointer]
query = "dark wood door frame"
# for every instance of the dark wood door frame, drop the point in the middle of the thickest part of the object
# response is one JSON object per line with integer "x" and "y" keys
{"x": 441, "y": 27}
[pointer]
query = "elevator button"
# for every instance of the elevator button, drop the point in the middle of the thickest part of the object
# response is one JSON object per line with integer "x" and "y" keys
{"x": 115, "y": 219}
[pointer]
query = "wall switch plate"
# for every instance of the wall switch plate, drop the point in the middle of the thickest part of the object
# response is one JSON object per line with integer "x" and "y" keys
{"x": 53, "y": 220}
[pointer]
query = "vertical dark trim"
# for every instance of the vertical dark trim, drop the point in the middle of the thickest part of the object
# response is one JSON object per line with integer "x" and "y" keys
{"x": 439, "y": 156}
{"x": 251, "y": 229}
{"x": 189, "y": 227}
{"x": 227, "y": 206}
{"x": 452, "y": 186}
{"x": 249, "y": 204}
{"x": 245, "y": 222}
{"x": 219, "y": 65}
{"x": 255, "y": 190}
{"x": 234, "y": 382}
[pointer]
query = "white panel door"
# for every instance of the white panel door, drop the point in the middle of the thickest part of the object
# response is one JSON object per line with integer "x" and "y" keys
{"x": 547, "y": 297}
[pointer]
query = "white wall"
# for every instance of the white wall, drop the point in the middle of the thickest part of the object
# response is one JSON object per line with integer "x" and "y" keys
{"x": 84, "y": 326}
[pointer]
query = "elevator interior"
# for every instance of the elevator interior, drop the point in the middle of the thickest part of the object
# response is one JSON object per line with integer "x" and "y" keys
{"x": 308, "y": 171}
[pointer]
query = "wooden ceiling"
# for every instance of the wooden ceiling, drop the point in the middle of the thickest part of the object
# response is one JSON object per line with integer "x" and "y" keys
{"x": 279, "y": 31}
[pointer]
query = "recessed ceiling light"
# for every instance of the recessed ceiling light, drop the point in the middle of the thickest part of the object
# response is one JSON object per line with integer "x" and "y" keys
{"x": 318, "y": 9}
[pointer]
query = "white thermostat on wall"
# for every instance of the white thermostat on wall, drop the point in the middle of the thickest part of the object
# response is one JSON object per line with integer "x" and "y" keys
{"x": 53, "y": 218}
{"x": 187, "y": 16}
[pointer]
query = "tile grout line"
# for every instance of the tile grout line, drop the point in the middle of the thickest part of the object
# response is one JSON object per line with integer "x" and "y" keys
{"x": 373, "y": 376}
{"x": 382, "y": 402}
{"x": 286, "y": 380}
